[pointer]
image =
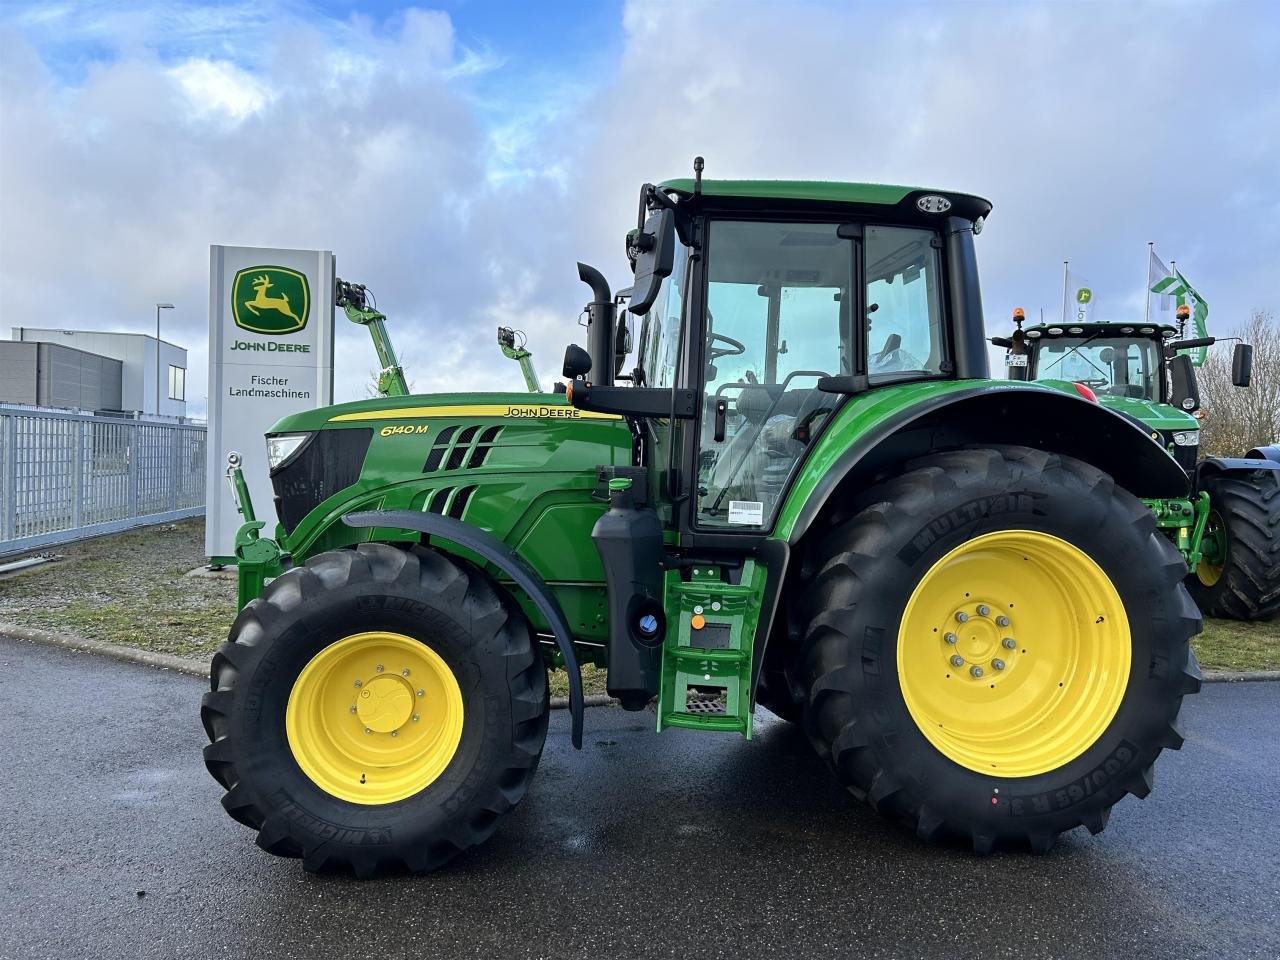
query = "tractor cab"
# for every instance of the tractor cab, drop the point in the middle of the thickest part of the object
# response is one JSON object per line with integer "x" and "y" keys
{"x": 758, "y": 307}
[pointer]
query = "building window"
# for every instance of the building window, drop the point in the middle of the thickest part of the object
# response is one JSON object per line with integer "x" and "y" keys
{"x": 177, "y": 383}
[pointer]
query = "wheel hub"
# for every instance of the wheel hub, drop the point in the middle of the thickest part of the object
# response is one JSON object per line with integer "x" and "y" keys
{"x": 385, "y": 703}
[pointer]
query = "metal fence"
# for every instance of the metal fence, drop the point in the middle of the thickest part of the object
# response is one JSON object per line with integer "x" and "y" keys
{"x": 69, "y": 475}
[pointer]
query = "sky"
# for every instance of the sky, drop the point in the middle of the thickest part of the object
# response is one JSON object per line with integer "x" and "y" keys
{"x": 458, "y": 158}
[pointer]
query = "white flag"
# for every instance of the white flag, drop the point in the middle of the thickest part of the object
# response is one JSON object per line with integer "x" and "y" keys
{"x": 1160, "y": 281}
{"x": 1079, "y": 300}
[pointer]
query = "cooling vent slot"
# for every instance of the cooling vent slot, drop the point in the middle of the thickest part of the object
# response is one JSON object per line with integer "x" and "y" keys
{"x": 457, "y": 451}
{"x": 450, "y": 501}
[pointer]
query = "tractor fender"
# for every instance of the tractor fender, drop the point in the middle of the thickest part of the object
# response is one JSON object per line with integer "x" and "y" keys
{"x": 999, "y": 413}
{"x": 1259, "y": 458}
{"x": 505, "y": 559}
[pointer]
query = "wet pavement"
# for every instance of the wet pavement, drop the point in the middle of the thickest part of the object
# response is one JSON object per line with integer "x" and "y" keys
{"x": 673, "y": 845}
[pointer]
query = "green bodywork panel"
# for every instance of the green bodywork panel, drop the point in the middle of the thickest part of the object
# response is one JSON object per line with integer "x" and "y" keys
{"x": 1157, "y": 416}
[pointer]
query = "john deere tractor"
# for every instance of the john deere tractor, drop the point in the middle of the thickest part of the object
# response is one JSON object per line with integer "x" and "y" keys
{"x": 802, "y": 490}
{"x": 1231, "y": 541}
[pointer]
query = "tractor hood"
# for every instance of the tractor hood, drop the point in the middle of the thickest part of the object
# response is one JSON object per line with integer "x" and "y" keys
{"x": 1155, "y": 416}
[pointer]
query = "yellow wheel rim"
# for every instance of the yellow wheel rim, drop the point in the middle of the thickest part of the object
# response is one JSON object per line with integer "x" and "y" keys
{"x": 1014, "y": 653}
{"x": 1208, "y": 571}
{"x": 374, "y": 717}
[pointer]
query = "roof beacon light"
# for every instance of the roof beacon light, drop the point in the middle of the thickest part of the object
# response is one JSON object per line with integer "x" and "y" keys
{"x": 1184, "y": 312}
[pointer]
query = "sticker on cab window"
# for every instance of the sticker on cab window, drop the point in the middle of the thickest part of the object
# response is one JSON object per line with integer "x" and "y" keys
{"x": 748, "y": 513}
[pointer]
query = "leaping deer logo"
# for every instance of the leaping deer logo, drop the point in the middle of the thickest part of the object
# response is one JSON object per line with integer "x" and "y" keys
{"x": 261, "y": 284}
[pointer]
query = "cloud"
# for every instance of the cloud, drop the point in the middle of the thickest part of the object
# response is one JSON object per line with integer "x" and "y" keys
{"x": 461, "y": 183}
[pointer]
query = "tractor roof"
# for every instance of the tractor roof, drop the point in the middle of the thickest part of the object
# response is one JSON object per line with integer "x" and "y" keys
{"x": 1093, "y": 328}
{"x": 810, "y": 194}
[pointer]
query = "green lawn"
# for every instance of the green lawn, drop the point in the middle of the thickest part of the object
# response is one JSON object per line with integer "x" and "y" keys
{"x": 130, "y": 589}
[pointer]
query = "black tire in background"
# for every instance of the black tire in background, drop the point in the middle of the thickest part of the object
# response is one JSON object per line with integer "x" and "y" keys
{"x": 856, "y": 583}
{"x": 1247, "y": 587}
{"x": 450, "y": 607}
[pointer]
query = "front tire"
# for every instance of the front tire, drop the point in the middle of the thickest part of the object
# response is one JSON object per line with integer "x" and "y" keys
{"x": 1239, "y": 576}
{"x": 1067, "y": 609}
{"x": 377, "y": 708}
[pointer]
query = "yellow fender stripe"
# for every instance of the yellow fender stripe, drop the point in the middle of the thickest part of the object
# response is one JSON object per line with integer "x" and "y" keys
{"x": 517, "y": 411}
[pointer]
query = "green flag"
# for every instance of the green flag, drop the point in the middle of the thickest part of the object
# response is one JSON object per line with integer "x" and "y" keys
{"x": 1178, "y": 287}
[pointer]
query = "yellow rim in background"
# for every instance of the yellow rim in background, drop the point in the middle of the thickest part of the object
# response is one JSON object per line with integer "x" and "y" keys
{"x": 1014, "y": 653}
{"x": 1207, "y": 571}
{"x": 374, "y": 718}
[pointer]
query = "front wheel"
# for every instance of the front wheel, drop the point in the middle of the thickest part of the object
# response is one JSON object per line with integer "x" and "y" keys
{"x": 378, "y": 708}
{"x": 1238, "y": 577}
{"x": 996, "y": 647}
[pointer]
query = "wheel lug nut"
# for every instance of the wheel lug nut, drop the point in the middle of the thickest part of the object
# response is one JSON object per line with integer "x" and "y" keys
{"x": 983, "y": 609}
{"x": 998, "y": 663}
{"x": 1002, "y": 621}
{"x": 951, "y": 638}
{"x": 416, "y": 718}
{"x": 367, "y": 730}
{"x": 357, "y": 684}
{"x": 957, "y": 661}
{"x": 394, "y": 733}
{"x": 378, "y": 668}
{"x": 961, "y": 617}
{"x": 404, "y": 672}
{"x": 976, "y": 671}
{"x": 351, "y": 709}
{"x": 421, "y": 692}
{"x": 1008, "y": 643}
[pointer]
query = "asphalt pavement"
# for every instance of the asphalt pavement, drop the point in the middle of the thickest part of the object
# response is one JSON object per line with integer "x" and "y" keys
{"x": 677, "y": 844}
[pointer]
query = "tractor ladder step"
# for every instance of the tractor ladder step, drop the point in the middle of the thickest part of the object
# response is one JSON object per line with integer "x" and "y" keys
{"x": 706, "y": 658}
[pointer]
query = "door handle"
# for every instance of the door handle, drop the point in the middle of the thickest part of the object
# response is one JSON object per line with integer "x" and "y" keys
{"x": 722, "y": 406}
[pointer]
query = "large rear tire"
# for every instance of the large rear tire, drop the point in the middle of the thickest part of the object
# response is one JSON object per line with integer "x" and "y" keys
{"x": 1239, "y": 577}
{"x": 377, "y": 708}
{"x": 1067, "y": 610}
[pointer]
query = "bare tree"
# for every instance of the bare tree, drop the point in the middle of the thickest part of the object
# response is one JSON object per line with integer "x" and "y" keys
{"x": 1236, "y": 418}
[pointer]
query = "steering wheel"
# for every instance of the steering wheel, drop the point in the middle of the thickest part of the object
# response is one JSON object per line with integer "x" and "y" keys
{"x": 714, "y": 354}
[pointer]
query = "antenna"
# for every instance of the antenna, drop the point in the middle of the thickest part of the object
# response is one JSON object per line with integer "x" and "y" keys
{"x": 698, "y": 164}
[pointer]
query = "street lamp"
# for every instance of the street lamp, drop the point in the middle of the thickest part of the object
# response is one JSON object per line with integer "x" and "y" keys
{"x": 159, "y": 307}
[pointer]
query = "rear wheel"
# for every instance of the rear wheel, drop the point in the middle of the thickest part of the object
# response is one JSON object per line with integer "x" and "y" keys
{"x": 995, "y": 647}
{"x": 1239, "y": 576}
{"x": 378, "y": 708}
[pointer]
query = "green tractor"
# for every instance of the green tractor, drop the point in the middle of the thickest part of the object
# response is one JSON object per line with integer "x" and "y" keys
{"x": 1231, "y": 542}
{"x": 779, "y": 474}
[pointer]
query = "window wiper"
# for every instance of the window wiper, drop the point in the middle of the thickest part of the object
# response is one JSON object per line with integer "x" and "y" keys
{"x": 1076, "y": 350}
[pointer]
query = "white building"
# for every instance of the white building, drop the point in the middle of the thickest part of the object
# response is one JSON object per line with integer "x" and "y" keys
{"x": 137, "y": 353}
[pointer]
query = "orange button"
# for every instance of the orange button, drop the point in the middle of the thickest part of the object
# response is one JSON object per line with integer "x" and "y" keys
{"x": 698, "y": 621}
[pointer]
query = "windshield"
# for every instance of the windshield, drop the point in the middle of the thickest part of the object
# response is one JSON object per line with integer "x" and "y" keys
{"x": 1115, "y": 366}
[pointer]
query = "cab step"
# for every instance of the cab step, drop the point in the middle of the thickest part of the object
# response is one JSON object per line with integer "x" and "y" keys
{"x": 706, "y": 658}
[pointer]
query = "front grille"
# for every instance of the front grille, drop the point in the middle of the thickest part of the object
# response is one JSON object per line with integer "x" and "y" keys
{"x": 1186, "y": 456}
{"x": 330, "y": 461}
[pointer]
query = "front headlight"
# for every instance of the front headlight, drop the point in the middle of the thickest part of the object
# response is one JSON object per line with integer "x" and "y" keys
{"x": 1186, "y": 438}
{"x": 282, "y": 447}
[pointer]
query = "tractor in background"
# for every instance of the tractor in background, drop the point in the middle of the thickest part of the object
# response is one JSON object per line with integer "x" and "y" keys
{"x": 780, "y": 474}
{"x": 1231, "y": 540}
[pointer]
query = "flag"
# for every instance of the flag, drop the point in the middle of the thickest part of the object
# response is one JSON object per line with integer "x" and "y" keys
{"x": 1159, "y": 278}
{"x": 1177, "y": 287}
{"x": 1078, "y": 305}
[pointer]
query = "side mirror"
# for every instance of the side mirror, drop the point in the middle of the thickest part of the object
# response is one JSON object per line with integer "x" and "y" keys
{"x": 655, "y": 252}
{"x": 577, "y": 362}
{"x": 622, "y": 343}
{"x": 1184, "y": 393}
{"x": 1242, "y": 364}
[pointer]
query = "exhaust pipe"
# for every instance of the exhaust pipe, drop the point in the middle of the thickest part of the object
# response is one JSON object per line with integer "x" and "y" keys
{"x": 601, "y": 314}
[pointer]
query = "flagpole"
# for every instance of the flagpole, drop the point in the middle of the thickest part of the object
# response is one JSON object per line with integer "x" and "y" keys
{"x": 1151, "y": 252}
{"x": 1064, "y": 290}
{"x": 1173, "y": 268}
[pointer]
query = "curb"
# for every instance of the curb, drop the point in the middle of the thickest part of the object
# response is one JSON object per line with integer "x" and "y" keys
{"x": 186, "y": 665}
{"x": 200, "y": 668}
{"x": 164, "y": 661}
